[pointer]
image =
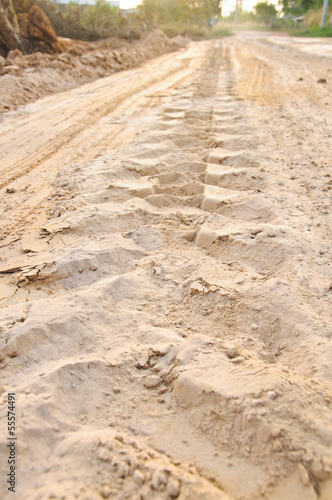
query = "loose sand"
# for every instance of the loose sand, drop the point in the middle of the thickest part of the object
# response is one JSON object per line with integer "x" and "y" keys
{"x": 165, "y": 287}
{"x": 25, "y": 79}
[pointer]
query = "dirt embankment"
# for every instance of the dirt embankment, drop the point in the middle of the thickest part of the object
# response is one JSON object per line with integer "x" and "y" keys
{"x": 26, "y": 78}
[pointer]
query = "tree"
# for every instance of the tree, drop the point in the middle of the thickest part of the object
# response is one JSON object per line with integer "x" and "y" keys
{"x": 102, "y": 19}
{"x": 159, "y": 12}
{"x": 266, "y": 13}
{"x": 208, "y": 10}
{"x": 298, "y": 7}
{"x": 10, "y": 37}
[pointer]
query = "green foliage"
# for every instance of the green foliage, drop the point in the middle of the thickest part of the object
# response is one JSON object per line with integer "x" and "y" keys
{"x": 313, "y": 17}
{"x": 220, "y": 32}
{"x": 102, "y": 20}
{"x": 79, "y": 21}
{"x": 315, "y": 32}
{"x": 265, "y": 12}
{"x": 66, "y": 22}
{"x": 299, "y": 7}
{"x": 180, "y": 12}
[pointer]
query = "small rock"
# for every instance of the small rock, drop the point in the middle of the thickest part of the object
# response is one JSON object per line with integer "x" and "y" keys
{"x": 196, "y": 288}
{"x": 317, "y": 470}
{"x": 106, "y": 492}
{"x": 173, "y": 488}
{"x": 271, "y": 395}
{"x": 238, "y": 359}
{"x": 12, "y": 69}
{"x": 277, "y": 446}
{"x": 142, "y": 360}
{"x": 159, "y": 480}
{"x": 139, "y": 477}
{"x": 269, "y": 357}
{"x": 11, "y": 349}
{"x": 254, "y": 326}
{"x": 10, "y": 190}
{"x": 104, "y": 455}
{"x": 122, "y": 470}
{"x": 271, "y": 233}
{"x": 116, "y": 389}
{"x": 132, "y": 460}
{"x": 322, "y": 80}
{"x": 152, "y": 381}
{"x": 232, "y": 352}
{"x": 190, "y": 235}
{"x": 304, "y": 476}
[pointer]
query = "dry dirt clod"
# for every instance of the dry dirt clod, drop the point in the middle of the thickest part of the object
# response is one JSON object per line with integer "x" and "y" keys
{"x": 139, "y": 477}
{"x": 271, "y": 233}
{"x": 304, "y": 476}
{"x": 232, "y": 352}
{"x": 152, "y": 381}
{"x": 159, "y": 480}
{"x": 173, "y": 488}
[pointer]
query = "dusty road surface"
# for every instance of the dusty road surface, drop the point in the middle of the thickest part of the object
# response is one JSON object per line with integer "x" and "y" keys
{"x": 165, "y": 283}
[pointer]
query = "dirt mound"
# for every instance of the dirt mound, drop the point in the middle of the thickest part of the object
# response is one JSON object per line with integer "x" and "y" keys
{"x": 159, "y": 41}
{"x": 25, "y": 78}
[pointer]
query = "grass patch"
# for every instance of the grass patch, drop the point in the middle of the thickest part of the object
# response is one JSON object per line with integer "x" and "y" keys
{"x": 314, "y": 32}
{"x": 221, "y": 32}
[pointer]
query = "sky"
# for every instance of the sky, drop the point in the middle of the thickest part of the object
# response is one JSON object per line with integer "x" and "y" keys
{"x": 228, "y": 6}
{"x": 129, "y": 4}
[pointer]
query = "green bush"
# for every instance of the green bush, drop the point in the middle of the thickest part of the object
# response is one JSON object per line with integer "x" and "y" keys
{"x": 102, "y": 20}
{"x": 66, "y": 22}
{"x": 313, "y": 17}
{"x": 220, "y": 32}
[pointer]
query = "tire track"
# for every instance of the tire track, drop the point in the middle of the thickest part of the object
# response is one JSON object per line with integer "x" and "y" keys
{"x": 88, "y": 134}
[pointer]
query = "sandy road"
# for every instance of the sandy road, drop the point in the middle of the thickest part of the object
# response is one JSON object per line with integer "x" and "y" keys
{"x": 57, "y": 133}
{"x": 165, "y": 286}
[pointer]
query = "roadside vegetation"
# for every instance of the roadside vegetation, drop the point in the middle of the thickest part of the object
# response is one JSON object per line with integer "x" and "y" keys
{"x": 296, "y": 17}
{"x": 197, "y": 19}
